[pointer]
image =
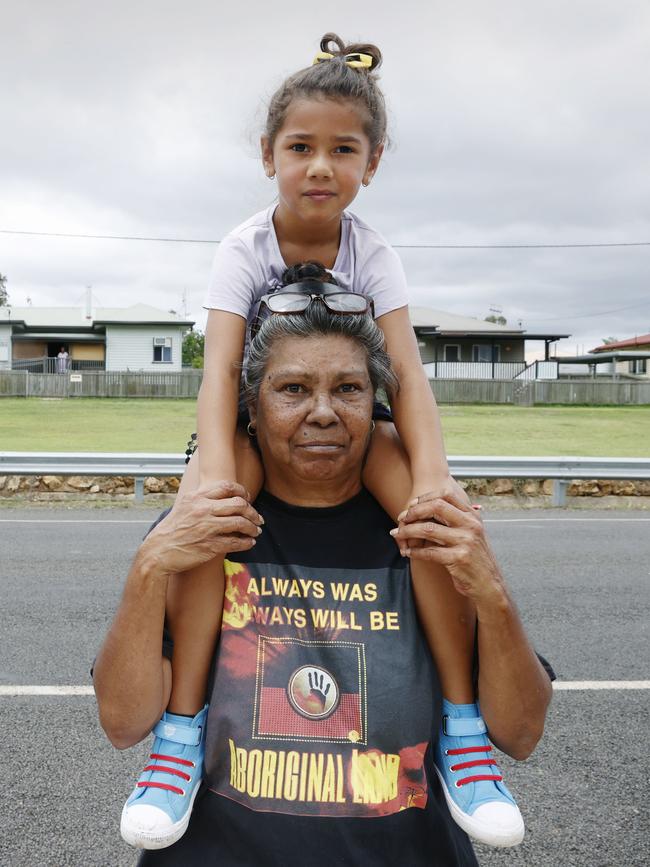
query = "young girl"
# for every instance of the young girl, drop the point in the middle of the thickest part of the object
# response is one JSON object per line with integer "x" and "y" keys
{"x": 324, "y": 138}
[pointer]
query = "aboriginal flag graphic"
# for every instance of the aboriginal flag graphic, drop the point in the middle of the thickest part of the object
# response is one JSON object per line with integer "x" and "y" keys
{"x": 318, "y": 707}
{"x": 311, "y": 690}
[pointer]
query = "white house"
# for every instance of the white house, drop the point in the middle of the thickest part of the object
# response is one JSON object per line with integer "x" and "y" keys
{"x": 139, "y": 337}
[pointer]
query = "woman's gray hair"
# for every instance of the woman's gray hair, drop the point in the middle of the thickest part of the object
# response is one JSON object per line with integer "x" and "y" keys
{"x": 317, "y": 320}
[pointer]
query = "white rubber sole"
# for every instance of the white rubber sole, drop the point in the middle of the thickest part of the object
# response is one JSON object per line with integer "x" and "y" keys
{"x": 142, "y": 839}
{"x": 478, "y": 830}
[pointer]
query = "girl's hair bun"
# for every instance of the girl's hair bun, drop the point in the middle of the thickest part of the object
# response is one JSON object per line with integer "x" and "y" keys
{"x": 310, "y": 270}
{"x": 338, "y": 80}
{"x": 333, "y": 44}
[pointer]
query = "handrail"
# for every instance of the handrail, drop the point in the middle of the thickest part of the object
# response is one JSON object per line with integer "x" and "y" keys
{"x": 141, "y": 465}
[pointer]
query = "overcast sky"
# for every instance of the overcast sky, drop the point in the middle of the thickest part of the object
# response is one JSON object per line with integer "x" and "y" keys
{"x": 513, "y": 122}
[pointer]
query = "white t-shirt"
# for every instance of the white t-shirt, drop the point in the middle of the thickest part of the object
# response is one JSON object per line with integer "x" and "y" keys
{"x": 248, "y": 264}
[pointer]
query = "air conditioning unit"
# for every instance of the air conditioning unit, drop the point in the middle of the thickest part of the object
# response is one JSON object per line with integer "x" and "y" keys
{"x": 160, "y": 341}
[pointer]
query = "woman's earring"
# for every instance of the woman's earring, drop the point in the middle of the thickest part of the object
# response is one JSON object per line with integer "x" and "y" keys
{"x": 251, "y": 430}
{"x": 372, "y": 426}
{"x": 271, "y": 177}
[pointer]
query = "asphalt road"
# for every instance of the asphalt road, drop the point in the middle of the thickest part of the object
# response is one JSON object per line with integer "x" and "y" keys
{"x": 582, "y": 585}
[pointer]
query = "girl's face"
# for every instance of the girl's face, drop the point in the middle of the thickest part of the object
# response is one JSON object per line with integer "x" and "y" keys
{"x": 320, "y": 157}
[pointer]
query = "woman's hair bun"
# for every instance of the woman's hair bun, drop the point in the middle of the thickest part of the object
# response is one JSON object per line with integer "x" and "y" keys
{"x": 333, "y": 44}
{"x": 307, "y": 271}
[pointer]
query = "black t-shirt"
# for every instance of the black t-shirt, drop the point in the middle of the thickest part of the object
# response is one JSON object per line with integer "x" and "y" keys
{"x": 323, "y": 706}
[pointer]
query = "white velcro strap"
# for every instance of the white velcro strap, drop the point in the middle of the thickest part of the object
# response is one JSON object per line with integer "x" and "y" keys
{"x": 459, "y": 728}
{"x": 178, "y": 734}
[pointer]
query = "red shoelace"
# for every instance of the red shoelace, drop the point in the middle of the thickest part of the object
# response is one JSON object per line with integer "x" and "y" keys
{"x": 475, "y": 763}
{"x": 162, "y": 769}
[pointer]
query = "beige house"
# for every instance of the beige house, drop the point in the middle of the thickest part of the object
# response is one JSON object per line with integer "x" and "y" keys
{"x": 630, "y": 358}
{"x": 454, "y": 346}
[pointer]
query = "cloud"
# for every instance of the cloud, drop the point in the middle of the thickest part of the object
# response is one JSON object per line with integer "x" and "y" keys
{"x": 513, "y": 122}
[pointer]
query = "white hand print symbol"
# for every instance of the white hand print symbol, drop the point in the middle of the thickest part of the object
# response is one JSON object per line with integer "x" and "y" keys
{"x": 313, "y": 692}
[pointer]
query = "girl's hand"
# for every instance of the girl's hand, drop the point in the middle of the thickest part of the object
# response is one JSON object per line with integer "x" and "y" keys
{"x": 447, "y": 487}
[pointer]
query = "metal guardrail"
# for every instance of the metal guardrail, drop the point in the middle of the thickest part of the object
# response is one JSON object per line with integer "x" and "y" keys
{"x": 140, "y": 466}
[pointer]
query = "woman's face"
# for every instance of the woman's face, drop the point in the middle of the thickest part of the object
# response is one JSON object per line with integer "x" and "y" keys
{"x": 314, "y": 412}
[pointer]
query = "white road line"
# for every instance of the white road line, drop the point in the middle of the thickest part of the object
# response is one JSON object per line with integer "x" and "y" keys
{"x": 564, "y": 520}
{"x": 531, "y": 520}
{"x": 46, "y": 690}
{"x": 601, "y": 684}
{"x": 575, "y": 685}
{"x": 65, "y": 521}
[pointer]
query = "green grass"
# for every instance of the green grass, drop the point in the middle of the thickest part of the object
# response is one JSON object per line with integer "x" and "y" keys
{"x": 598, "y": 431}
{"x": 105, "y": 425}
{"x": 95, "y": 425}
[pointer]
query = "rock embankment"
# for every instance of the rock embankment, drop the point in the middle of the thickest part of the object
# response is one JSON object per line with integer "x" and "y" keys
{"x": 119, "y": 487}
{"x": 100, "y": 487}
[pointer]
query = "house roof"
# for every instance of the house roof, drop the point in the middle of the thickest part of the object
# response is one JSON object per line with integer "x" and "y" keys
{"x": 640, "y": 340}
{"x": 426, "y": 317}
{"x": 75, "y": 317}
{"x": 451, "y": 323}
{"x": 600, "y": 358}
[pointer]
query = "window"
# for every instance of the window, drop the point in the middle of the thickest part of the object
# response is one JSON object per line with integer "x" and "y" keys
{"x": 485, "y": 352}
{"x": 452, "y": 352}
{"x": 162, "y": 349}
{"x": 638, "y": 365}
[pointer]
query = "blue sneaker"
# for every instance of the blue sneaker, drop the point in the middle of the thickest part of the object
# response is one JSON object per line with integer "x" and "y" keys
{"x": 471, "y": 781}
{"x": 158, "y": 810}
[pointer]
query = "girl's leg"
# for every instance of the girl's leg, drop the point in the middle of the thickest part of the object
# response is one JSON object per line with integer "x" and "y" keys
{"x": 195, "y": 600}
{"x": 158, "y": 810}
{"x": 479, "y": 802}
{"x": 447, "y": 618}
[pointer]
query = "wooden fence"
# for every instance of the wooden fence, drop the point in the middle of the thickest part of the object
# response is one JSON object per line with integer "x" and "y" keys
{"x": 539, "y": 392}
{"x": 20, "y": 383}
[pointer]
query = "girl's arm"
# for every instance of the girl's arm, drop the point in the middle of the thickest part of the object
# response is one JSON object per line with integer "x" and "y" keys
{"x": 414, "y": 407}
{"x": 513, "y": 689}
{"x": 219, "y": 396}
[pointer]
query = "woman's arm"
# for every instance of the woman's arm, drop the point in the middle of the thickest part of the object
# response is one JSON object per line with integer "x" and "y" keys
{"x": 414, "y": 407}
{"x": 219, "y": 396}
{"x": 514, "y": 690}
{"x": 132, "y": 680}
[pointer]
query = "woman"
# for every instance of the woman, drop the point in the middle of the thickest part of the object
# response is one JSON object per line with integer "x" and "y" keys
{"x": 62, "y": 360}
{"x": 324, "y": 692}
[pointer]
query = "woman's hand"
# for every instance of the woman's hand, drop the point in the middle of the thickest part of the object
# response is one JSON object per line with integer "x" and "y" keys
{"x": 204, "y": 524}
{"x": 450, "y": 532}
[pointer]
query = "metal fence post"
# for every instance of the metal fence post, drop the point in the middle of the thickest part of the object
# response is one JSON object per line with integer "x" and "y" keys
{"x": 559, "y": 492}
{"x": 139, "y": 489}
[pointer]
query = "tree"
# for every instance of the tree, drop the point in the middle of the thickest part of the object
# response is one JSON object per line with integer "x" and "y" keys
{"x": 193, "y": 348}
{"x": 4, "y": 295}
{"x": 607, "y": 340}
{"x": 498, "y": 320}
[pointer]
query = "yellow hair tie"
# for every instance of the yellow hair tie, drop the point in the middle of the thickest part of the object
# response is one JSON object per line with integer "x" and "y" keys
{"x": 356, "y": 60}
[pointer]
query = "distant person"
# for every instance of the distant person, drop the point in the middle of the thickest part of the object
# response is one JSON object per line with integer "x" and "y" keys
{"x": 62, "y": 360}
{"x": 324, "y": 137}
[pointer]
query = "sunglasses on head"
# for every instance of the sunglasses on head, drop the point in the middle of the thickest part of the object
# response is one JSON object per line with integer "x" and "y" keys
{"x": 297, "y": 297}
